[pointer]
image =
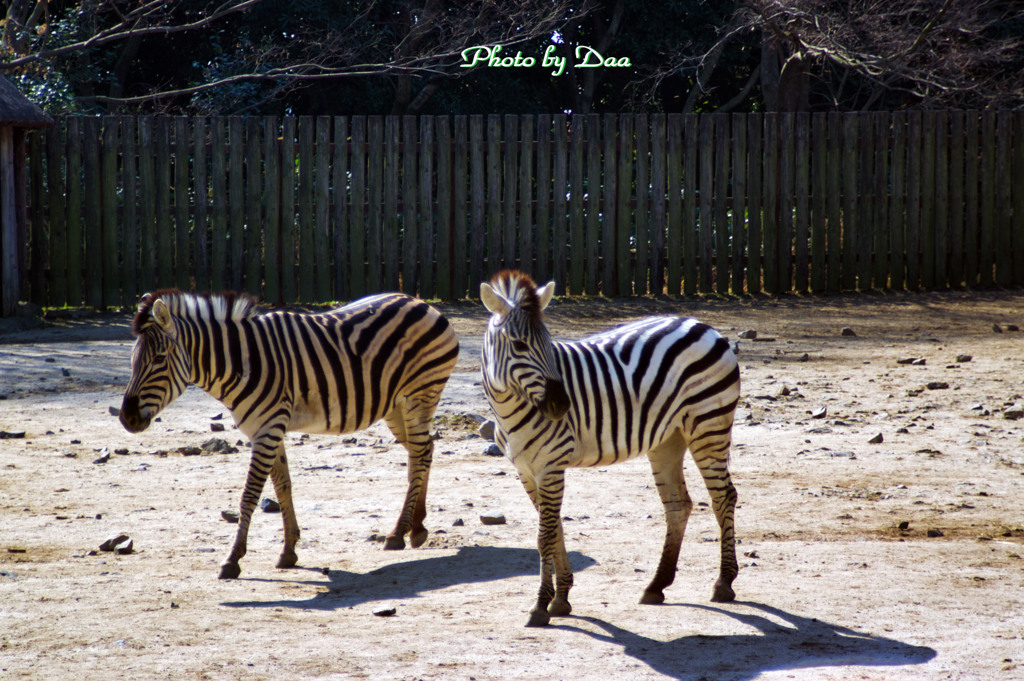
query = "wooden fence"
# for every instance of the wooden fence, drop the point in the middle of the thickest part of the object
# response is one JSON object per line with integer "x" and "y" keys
{"x": 331, "y": 208}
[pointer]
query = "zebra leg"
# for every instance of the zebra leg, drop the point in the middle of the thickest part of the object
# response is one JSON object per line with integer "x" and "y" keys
{"x": 264, "y": 452}
{"x": 411, "y": 428}
{"x": 713, "y": 462}
{"x": 547, "y": 498}
{"x": 283, "y": 489}
{"x": 667, "y": 466}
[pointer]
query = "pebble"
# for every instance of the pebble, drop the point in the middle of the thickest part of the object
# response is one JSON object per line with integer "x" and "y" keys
{"x": 493, "y": 450}
{"x": 492, "y": 518}
{"x": 876, "y": 440}
{"x": 12, "y": 435}
{"x": 230, "y": 516}
{"x": 125, "y": 547}
{"x": 103, "y": 459}
{"x": 847, "y": 331}
{"x": 936, "y": 385}
{"x": 964, "y": 359}
{"x": 935, "y": 533}
{"x": 217, "y": 427}
{"x": 819, "y": 413}
{"x": 218, "y": 445}
{"x": 997, "y": 328}
{"x": 385, "y": 612}
{"x": 459, "y": 522}
{"x": 907, "y": 360}
{"x": 270, "y": 506}
{"x": 487, "y": 430}
{"x": 749, "y": 334}
{"x": 1013, "y": 413}
{"x": 112, "y": 542}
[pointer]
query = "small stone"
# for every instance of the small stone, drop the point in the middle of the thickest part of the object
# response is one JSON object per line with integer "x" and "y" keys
{"x": 919, "y": 362}
{"x": 124, "y": 547}
{"x": 935, "y": 533}
{"x": 66, "y": 373}
{"x": 819, "y": 413}
{"x": 803, "y": 358}
{"x": 112, "y": 542}
{"x": 937, "y": 385}
{"x": 385, "y": 612}
{"x": 103, "y": 459}
{"x": 487, "y": 430}
{"x": 876, "y": 440}
{"x": 847, "y": 331}
{"x": 904, "y": 525}
{"x": 174, "y": 605}
{"x": 325, "y": 570}
{"x": 1013, "y": 413}
{"x": 749, "y": 334}
{"x": 785, "y": 391}
{"x": 219, "y": 446}
{"x": 270, "y": 506}
{"x": 493, "y": 450}
{"x": 459, "y": 522}
{"x": 1012, "y": 327}
{"x": 217, "y": 427}
{"x": 492, "y": 518}
{"x": 964, "y": 359}
{"x": 12, "y": 435}
{"x": 907, "y": 360}
{"x": 997, "y": 328}
{"x": 230, "y": 516}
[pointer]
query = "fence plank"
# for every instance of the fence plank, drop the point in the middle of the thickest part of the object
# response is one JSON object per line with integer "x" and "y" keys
{"x": 956, "y": 198}
{"x": 850, "y": 189}
{"x": 927, "y": 180}
{"x": 1001, "y": 186}
{"x": 972, "y": 155}
{"x": 93, "y": 212}
{"x": 642, "y": 219}
{"x": 864, "y": 238}
{"x": 941, "y": 200}
{"x": 543, "y": 230}
{"x": 912, "y": 242}
{"x": 306, "y": 260}
{"x": 357, "y": 212}
{"x": 593, "y": 211}
{"x": 784, "y": 207}
{"x": 559, "y": 233}
{"x": 509, "y": 179}
{"x": 721, "y": 199}
{"x": 478, "y": 224}
{"x": 322, "y": 203}
{"x": 770, "y": 225}
{"x": 819, "y": 222}
{"x": 623, "y": 222}
{"x": 374, "y": 221}
{"x": 525, "y": 222}
{"x": 461, "y": 239}
{"x": 880, "y": 213}
{"x": 111, "y": 237}
{"x": 494, "y": 216}
{"x": 55, "y": 187}
{"x": 802, "y": 206}
{"x": 444, "y": 250}
{"x": 577, "y": 190}
{"x": 38, "y": 258}
{"x": 410, "y": 216}
{"x": 272, "y": 290}
{"x": 289, "y": 290}
{"x": 833, "y": 204}
{"x": 898, "y": 205}
{"x": 340, "y": 208}
{"x": 659, "y": 221}
{"x": 700, "y": 248}
{"x": 254, "y": 222}
{"x": 182, "y": 230}
{"x": 1018, "y": 198}
{"x": 392, "y": 179}
{"x": 147, "y": 205}
{"x": 986, "y": 241}
{"x": 201, "y": 192}
{"x": 73, "y": 135}
{"x": 682, "y": 254}
{"x": 609, "y": 215}
{"x": 755, "y": 123}
{"x": 426, "y": 219}
{"x": 739, "y": 193}
{"x": 236, "y": 204}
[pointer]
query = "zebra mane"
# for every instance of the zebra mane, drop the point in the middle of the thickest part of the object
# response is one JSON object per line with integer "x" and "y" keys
{"x": 225, "y": 306}
{"x": 520, "y": 291}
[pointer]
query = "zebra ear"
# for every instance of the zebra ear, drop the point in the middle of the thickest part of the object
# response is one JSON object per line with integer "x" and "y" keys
{"x": 162, "y": 315}
{"x": 494, "y": 303}
{"x": 546, "y": 293}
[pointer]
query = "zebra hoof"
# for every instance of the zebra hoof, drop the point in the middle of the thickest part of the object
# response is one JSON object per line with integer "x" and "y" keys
{"x": 229, "y": 571}
{"x": 652, "y": 598}
{"x": 394, "y": 542}
{"x": 559, "y": 607}
{"x": 538, "y": 618}
{"x": 287, "y": 560}
{"x": 723, "y": 593}
{"x": 418, "y": 538}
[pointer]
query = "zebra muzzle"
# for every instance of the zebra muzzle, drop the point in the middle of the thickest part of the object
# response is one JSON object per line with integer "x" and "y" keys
{"x": 131, "y": 418}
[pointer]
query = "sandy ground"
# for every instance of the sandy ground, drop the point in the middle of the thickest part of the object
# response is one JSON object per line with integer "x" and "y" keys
{"x": 860, "y": 558}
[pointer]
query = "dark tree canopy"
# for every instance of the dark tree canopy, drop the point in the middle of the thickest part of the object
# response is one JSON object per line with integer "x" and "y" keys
{"x": 406, "y": 56}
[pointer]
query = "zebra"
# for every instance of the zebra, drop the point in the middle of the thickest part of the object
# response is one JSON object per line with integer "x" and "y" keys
{"x": 658, "y": 387}
{"x": 386, "y": 356}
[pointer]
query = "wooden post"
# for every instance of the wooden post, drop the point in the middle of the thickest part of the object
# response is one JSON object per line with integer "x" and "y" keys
{"x": 8, "y": 225}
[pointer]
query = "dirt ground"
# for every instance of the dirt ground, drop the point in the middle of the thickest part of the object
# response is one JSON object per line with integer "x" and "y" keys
{"x": 897, "y": 557}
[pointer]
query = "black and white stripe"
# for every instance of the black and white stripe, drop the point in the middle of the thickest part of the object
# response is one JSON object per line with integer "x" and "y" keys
{"x": 386, "y": 356}
{"x": 658, "y": 387}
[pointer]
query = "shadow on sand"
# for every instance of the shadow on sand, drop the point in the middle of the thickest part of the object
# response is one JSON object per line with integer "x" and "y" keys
{"x": 409, "y": 579}
{"x": 782, "y": 641}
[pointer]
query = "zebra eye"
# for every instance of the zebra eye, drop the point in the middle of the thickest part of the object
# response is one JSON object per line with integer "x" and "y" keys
{"x": 519, "y": 345}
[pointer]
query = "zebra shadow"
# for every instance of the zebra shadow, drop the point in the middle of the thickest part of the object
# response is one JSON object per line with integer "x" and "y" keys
{"x": 783, "y": 641}
{"x": 409, "y": 579}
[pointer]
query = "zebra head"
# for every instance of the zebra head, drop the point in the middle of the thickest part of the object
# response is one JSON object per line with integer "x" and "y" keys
{"x": 160, "y": 367}
{"x": 517, "y": 354}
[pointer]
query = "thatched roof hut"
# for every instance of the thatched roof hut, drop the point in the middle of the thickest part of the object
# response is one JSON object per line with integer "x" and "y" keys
{"x": 17, "y": 114}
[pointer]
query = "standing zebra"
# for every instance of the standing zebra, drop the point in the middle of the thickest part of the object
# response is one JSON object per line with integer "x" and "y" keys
{"x": 657, "y": 387}
{"x": 386, "y": 356}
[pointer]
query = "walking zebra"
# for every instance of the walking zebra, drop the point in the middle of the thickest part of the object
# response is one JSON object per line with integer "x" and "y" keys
{"x": 657, "y": 387}
{"x": 386, "y": 356}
